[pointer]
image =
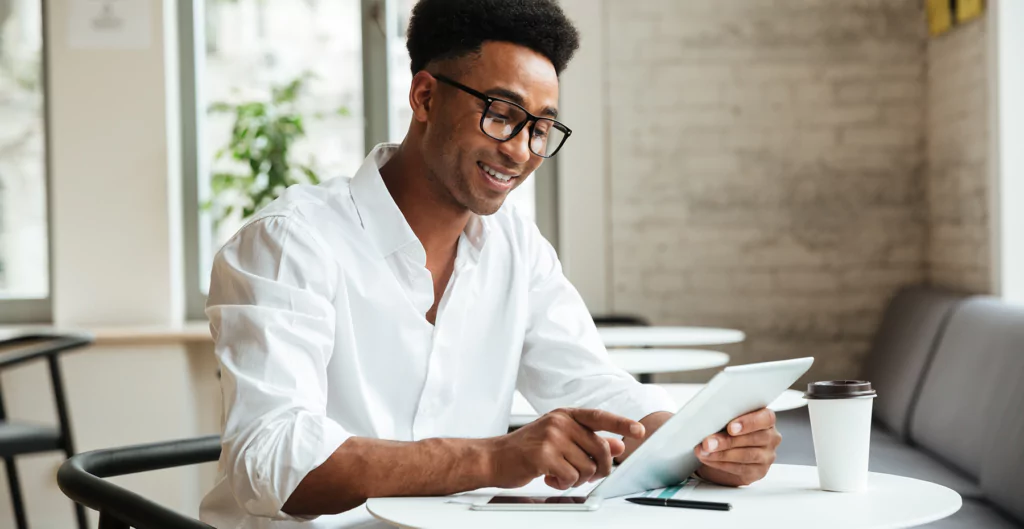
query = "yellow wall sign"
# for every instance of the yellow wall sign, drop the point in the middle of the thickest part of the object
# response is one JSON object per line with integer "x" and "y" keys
{"x": 967, "y": 10}
{"x": 944, "y": 14}
{"x": 940, "y": 16}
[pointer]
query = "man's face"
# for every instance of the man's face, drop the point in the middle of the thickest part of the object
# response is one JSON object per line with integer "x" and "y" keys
{"x": 459, "y": 156}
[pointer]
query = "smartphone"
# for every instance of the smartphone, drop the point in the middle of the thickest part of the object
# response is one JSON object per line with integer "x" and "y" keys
{"x": 538, "y": 503}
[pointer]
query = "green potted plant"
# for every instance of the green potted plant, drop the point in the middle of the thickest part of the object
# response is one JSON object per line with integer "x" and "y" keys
{"x": 261, "y": 140}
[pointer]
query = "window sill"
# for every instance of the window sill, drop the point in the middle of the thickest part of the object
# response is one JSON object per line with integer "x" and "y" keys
{"x": 189, "y": 332}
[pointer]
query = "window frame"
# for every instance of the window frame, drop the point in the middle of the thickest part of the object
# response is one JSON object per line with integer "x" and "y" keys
{"x": 19, "y": 311}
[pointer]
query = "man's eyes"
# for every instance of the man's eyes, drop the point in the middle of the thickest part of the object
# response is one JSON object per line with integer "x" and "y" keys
{"x": 496, "y": 116}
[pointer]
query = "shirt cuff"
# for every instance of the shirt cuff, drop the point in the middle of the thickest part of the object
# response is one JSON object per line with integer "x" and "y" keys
{"x": 315, "y": 439}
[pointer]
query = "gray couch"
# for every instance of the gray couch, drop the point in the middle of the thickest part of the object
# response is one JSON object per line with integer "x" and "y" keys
{"x": 949, "y": 371}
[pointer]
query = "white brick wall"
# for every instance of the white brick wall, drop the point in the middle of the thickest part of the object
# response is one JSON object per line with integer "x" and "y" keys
{"x": 767, "y": 167}
{"x": 957, "y": 124}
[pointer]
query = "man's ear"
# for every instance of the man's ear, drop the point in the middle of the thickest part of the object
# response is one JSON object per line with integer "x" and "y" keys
{"x": 421, "y": 95}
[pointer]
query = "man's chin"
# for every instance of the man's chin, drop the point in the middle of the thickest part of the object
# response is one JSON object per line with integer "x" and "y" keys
{"x": 486, "y": 208}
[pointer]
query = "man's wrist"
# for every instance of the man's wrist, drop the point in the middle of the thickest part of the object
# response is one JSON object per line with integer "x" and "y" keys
{"x": 469, "y": 462}
{"x": 483, "y": 455}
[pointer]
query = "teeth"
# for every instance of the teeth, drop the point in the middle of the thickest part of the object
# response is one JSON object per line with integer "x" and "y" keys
{"x": 500, "y": 176}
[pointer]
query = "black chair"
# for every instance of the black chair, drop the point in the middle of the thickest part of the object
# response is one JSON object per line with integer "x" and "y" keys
{"x": 620, "y": 320}
{"x": 18, "y": 438}
{"x": 624, "y": 320}
{"x": 80, "y": 478}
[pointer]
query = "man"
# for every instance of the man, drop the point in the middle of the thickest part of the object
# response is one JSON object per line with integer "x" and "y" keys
{"x": 371, "y": 331}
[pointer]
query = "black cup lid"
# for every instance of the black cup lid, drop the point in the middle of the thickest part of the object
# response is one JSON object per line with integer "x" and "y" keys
{"x": 839, "y": 389}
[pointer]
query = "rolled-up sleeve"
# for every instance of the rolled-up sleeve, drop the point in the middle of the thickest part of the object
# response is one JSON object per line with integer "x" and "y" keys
{"x": 564, "y": 362}
{"x": 272, "y": 317}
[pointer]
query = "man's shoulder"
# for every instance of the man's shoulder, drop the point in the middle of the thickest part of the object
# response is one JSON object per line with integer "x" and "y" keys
{"x": 324, "y": 212}
{"x": 331, "y": 197}
{"x": 328, "y": 203}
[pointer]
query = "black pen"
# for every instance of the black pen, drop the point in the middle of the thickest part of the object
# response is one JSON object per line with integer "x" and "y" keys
{"x": 685, "y": 504}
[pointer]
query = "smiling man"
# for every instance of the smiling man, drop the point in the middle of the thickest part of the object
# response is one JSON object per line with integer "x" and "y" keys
{"x": 372, "y": 331}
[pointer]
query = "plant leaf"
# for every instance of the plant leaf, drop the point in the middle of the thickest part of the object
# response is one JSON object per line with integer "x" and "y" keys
{"x": 220, "y": 107}
{"x": 310, "y": 174}
{"x": 261, "y": 139}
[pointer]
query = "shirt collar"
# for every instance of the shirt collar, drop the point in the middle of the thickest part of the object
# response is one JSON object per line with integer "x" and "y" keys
{"x": 476, "y": 235}
{"x": 384, "y": 221}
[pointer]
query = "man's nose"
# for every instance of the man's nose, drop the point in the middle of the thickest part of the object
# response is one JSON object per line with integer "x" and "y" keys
{"x": 517, "y": 148}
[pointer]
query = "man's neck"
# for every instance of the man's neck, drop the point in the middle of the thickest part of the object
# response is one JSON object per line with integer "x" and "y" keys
{"x": 435, "y": 219}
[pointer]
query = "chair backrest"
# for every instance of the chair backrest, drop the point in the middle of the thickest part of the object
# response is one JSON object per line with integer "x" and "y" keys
{"x": 970, "y": 411}
{"x": 904, "y": 344}
{"x": 623, "y": 320}
{"x": 80, "y": 478}
{"x": 20, "y": 347}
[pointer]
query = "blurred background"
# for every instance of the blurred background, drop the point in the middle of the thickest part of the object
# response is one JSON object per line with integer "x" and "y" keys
{"x": 780, "y": 168}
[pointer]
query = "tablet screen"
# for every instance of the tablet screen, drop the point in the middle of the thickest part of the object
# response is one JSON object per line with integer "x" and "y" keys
{"x": 537, "y": 499}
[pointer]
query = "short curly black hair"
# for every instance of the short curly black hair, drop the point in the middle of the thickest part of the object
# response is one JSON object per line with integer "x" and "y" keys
{"x": 449, "y": 29}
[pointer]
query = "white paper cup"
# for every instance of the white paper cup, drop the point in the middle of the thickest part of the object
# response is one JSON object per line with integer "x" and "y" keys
{"x": 841, "y": 428}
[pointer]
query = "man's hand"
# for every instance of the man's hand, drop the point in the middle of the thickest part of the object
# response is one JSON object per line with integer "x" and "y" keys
{"x": 563, "y": 447}
{"x": 743, "y": 454}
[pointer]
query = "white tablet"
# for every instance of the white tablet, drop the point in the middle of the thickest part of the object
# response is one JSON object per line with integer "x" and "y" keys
{"x": 667, "y": 457}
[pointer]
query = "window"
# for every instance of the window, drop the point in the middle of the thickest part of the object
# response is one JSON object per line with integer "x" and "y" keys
{"x": 255, "y": 45}
{"x": 24, "y": 260}
{"x": 236, "y": 51}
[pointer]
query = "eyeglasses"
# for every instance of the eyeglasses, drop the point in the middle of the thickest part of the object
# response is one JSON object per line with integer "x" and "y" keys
{"x": 503, "y": 120}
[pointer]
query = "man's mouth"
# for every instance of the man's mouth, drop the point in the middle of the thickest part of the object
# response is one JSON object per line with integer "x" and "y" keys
{"x": 497, "y": 175}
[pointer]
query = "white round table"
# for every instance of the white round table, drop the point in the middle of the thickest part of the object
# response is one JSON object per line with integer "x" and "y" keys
{"x": 787, "y": 497}
{"x": 648, "y": 361}
{"x": 523, "y": 413}
{"x": 791, "y": 399}
{"x": 668, "y": 336}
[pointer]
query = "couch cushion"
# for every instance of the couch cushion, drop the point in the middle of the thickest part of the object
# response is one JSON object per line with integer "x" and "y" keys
{"x": 889, "y": 454}
{"x": 969, "y": 391}
{"x": 904, "y": 343}
{"x": 974, "y": 514}
{"x": 1002, "y": 475}
{"x": 1002, "y": 472}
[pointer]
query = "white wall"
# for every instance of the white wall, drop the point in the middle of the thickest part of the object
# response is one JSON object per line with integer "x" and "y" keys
{"x": 583, "y": 162}
{"x": 1008, "y": 114}
{"x": 111, "y": 150}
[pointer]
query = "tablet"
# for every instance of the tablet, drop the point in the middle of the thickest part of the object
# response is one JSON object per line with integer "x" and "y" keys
{"x": 667, "y": 457}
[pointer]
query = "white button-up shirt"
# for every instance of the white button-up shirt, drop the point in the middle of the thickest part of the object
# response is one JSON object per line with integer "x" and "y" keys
{"x": 317, "y": 307}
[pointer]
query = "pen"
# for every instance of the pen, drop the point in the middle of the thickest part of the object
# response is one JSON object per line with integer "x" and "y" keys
{"x": 685, "y": 504}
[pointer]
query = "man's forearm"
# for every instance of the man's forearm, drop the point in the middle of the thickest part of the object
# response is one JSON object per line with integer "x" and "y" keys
{"x": 363, "y": 468}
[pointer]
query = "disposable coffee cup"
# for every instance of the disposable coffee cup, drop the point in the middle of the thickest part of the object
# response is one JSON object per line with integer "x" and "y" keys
{"x": 841, "y": 427}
